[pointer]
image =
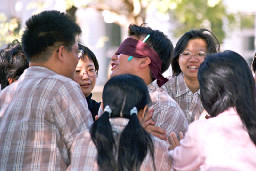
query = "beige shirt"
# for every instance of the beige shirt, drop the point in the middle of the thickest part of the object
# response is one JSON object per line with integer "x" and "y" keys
{"x": 167, "y": 113}
{"x": 40, "y": 116}
{"x": 189, "y": 102}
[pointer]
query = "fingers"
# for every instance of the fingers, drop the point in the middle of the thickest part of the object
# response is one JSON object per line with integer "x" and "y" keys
{"x": 148, "y": 115}
{"x": 156, "y": 131}
{"x": 149, "y": 122}
{"x": 181, "y": 135}
{"x": 173, "y": 140}
{"x": 96, "y": 117}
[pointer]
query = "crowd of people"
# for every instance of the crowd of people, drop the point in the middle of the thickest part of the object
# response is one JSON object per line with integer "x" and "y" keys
{"x": 203, "y": 117}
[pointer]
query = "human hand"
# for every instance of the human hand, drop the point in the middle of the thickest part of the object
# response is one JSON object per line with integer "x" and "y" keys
{"x": 174, "y": 141}
{"x": 146, "y": 117}
{"x": 156, "y": 131}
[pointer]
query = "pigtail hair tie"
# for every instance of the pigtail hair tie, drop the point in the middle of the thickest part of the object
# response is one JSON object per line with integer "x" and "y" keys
{"x": 107, "y": 109}
{"x": 133, "y": 111}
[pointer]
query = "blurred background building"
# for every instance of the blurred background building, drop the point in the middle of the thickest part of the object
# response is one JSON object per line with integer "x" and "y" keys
{"x": 105, "y": 23}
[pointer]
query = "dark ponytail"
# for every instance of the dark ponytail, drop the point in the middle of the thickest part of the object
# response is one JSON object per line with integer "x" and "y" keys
{"x": 121, "y": 94}
{"x": 135, "y": 142}
{"x": 101, "y": 134}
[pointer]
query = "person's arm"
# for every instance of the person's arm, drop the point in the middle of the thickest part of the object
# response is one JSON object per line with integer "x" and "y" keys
{"x": 189, "y": 154}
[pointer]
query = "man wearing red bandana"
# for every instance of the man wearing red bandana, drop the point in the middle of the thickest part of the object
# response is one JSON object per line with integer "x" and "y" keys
{"x": 147, "y": 53}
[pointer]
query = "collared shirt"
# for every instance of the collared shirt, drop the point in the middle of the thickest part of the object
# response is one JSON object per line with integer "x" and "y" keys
{"x": 189, "y": 102}
{"x": 218, "y": 143}
{"x": 167, "y": 113}
{"x": 40, "y": 116}
{"x": 84, "y": 152}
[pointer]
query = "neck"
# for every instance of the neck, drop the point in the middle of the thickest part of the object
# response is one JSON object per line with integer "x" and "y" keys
{"x": 192, "y": 84}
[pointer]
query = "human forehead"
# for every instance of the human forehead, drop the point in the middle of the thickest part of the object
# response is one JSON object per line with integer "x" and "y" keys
{"x": 85, "y": 62}
{"x": 196, "y": 44}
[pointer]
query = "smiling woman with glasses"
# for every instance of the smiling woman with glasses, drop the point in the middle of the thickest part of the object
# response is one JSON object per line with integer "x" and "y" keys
{"x": 86, "y": 74}
{"x": 190, "y": 51}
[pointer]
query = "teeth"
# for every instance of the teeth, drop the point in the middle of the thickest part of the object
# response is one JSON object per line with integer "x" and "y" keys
{"x": 192, "y": 67}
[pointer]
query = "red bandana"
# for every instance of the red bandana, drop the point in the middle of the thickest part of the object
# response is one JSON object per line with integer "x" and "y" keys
{"x": 138, "y": 49}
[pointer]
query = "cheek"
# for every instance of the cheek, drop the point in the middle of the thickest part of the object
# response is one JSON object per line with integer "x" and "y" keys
{"x": 93, "y": 82}
{"x": 182, "y": 64}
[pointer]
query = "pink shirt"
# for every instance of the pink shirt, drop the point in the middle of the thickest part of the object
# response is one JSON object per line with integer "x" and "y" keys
{"x": 219, "y": 143}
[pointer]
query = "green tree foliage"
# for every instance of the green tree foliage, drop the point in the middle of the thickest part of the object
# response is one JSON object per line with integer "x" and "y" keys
{"x": 199, "y": 13}
{"x": 188, "y": 14}
{"x": 9, "y": 29}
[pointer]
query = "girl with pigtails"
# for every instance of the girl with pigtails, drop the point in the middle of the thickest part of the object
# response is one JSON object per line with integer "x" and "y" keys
{"x": 116, "y": 140}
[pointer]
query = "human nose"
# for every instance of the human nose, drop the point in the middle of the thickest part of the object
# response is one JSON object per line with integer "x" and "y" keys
{"x": 193, "y": 57}
{"x": 114, "y": 57}
{"x": 84, "y": 75}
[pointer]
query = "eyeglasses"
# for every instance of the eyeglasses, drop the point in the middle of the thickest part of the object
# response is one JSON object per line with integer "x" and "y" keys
{"x": 90, "y": 72}
{"x": 79, "y": 52}
{"x": 199, "y": 54}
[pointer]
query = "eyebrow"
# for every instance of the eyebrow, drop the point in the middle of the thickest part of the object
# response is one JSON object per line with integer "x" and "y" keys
{"x": 91, "y": 65}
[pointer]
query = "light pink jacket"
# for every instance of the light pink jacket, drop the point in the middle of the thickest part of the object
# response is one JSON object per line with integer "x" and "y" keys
{"x": 219, "y": 143}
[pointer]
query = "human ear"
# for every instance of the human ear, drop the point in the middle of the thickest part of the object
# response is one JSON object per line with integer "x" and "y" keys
{"x": 144, "y": 62}
{"x": 60, "y": 52}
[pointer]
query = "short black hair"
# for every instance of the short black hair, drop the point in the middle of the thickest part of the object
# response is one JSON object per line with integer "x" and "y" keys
{"x": 205, "y": 34}
{"x": 13, "y": 62}
{"x": 44, "y": 30}
{"x": 157, "y": 41}
{"x": 90, "y": 55}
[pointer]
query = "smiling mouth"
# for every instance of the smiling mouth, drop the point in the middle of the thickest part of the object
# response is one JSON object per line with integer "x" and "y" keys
{"x": 113, "y": 65}
{"x": 85, "y": 85}
{"x": 192, "y": 67}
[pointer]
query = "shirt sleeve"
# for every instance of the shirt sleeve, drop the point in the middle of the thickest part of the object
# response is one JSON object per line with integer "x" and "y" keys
{"x": 189, "y": 155}
{"x": 168, "y": 114}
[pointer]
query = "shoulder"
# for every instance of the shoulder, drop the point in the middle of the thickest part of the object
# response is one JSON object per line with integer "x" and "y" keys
{"x": 161, "y": 97}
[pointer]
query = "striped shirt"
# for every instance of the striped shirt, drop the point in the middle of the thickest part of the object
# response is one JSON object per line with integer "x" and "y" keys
{"x": 167, "y": 113}
{"x": 84, "y": 152}
{"x": 40, "y": 116}
{"x": 189, "y": 102}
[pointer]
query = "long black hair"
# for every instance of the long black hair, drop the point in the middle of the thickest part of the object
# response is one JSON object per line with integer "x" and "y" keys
{"x": 225, "y": 81}
{"x": 205, "y": 34}
{"x": 122, "y": 93}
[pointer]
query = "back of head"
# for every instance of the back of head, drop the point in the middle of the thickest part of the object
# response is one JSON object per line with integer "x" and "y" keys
{"x": 157, "y": 41}
{"x": 3, "y": 66}
{"x": 121, "y": 94}
{"x": 17, "y": 63}
{"x": 45, "y": 30}
{"x": 226, "y": 81}
{"x": 14, "y": 61}
{"x": 210, "y": 39}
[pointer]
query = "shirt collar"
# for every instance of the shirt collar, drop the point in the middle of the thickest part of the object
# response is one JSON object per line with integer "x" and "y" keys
{"x": 152, "y": 86}
{"x": 182, "y": 87}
